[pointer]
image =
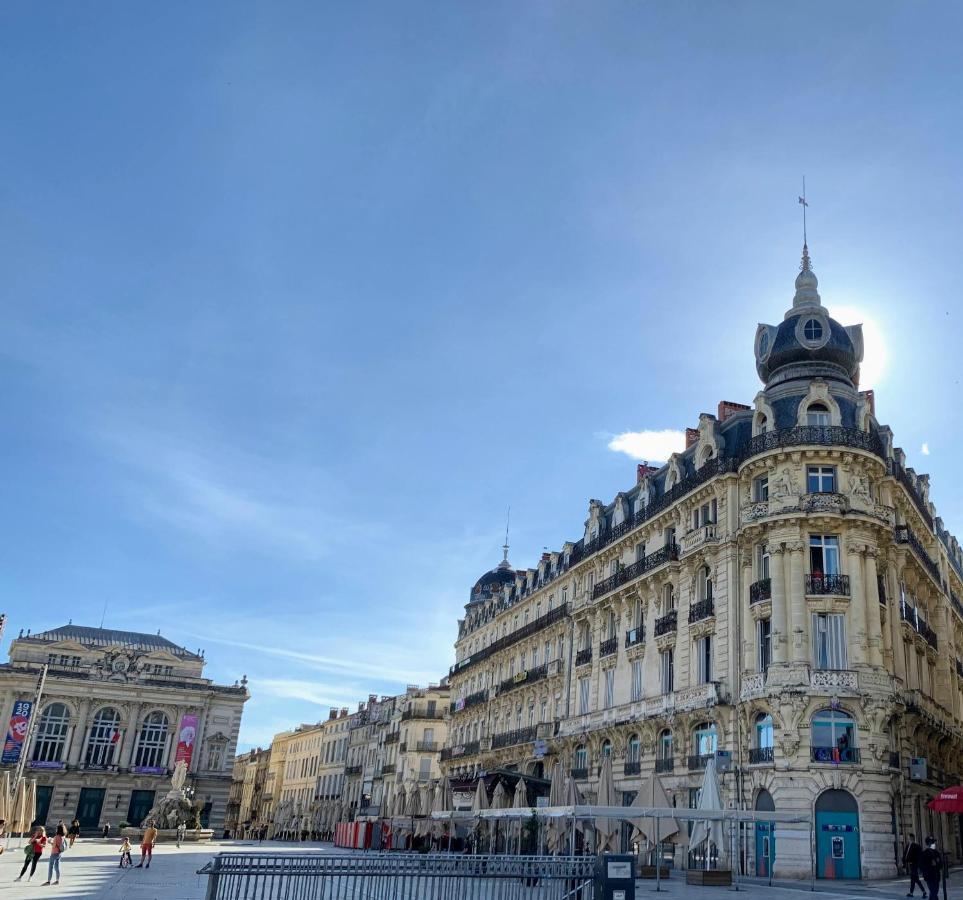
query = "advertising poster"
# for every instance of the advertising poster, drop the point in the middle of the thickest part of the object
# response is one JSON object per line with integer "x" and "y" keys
{"x": 185, "y": 740}
{"x": 16, "y": 731}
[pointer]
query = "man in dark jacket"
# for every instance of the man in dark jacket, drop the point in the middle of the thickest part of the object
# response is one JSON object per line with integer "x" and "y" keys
{"x": 911, "y": 861}
{"x": 931, "y": 867}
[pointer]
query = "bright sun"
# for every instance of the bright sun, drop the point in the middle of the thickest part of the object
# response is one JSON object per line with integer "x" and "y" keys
{"x": 873, "y": 367}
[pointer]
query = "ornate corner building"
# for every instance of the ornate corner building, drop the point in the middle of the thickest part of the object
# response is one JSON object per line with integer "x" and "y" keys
{"x": 780, "y": 593}
{"x": 118, "y": 708}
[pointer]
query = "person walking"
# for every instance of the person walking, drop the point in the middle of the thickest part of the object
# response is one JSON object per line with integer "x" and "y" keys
{"x": 931, "y": 867}
{"x": 33, "y": 851}
{"x": 74, "y": 831}
{"x": 147, "y": 845}
{"x": 106, "y": 831}
{"x": 181, "y": 832}
{"x": 57, "y": 847}
{"x": 911, "y": 862}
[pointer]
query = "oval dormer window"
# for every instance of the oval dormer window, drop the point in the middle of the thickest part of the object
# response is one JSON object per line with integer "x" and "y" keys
{"x": 764, "y": 343}
{"x": 813, "y": 330}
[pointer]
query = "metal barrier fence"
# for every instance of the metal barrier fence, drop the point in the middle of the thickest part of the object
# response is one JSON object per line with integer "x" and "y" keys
{"x": 397, "y": 876}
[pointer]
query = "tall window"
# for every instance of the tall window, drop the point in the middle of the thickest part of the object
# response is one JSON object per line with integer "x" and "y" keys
{"x": 761, "y": 488}
{"x": 606, "y": 748}
{"x": 764, "y": 643}
{"x": 609, "y": 688}
{"x": 833, "y": 735}
{"x": 580, "y": 760}
{"x": 636, "y": 679}
{"x": 215, "y": 757}
{"x": 668, "y": 598}
{"x": 584, "y": 637}
{"x": 152, "y": 741}
{"x": 823, "y": 554}
{"x": 762, "y": 561}
{"x": 705, "y": 583}
{"x": 640, "y": 551}
{"x": 104, "y": 737}
{"x": 704, "y": 739}
{"x": 817, "y": 414}
{"x": 637, "y": 614}
{"x": 821, "y": 479}
{"x": 829, "y": 641}
{"x": 763, "y": 731}
{"x": 668, "y": 671}
{"x": 611, "y": 625}
{"x": 665, "y": 748}
{"x": 583, "y": 695}
{"x": 424, "y": 768}
{"x": 51, "y": 734}
{"x": 703, "y": 649}
{"x": 634, "y": 749}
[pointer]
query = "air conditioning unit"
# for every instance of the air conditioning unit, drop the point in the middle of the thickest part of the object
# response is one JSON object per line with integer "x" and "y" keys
{"x": 918, "y": 768}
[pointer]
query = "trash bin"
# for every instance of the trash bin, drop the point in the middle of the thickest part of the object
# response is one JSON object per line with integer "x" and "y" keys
{"x": 615, "y": 876}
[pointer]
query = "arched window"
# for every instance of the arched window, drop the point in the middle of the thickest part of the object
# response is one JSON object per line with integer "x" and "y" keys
{"x": 668, "y": 598}
{"x": 580, "y": 760}
{"x": 666, "y": 751}
{"x": 51, "y": 734}
{"x": 833, "y": 737}
{"x": 634, "y": 749}
{"x": 152, "y": 741}
{"x": 704, "y": 739}
{"x": 817, "y": 414}
{"x": 606, "y": 748}
{"x": 104, "y": 738}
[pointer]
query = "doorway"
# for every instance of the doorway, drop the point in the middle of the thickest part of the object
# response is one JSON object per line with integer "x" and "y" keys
{"x": 44, "y": 796}
{"x": 140, "y": 804}
{"x": 837, "y": 835}
{"x": 89, "y": 806}
{"x": 765, "y": 836}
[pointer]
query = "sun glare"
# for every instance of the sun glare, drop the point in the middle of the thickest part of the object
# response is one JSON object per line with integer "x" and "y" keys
{"x": 873, "y": 368}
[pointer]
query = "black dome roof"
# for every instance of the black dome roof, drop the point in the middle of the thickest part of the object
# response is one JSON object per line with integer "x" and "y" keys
{"x": 789, "y": 347}
{"x": 493, "y": 581}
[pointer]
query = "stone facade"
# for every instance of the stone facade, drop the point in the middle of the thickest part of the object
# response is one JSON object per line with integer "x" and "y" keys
{"x": 106, "y": 733}
{"x": 782, "y": 590}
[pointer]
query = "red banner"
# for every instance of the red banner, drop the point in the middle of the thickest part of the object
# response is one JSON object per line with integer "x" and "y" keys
{"x": 185, "y": 740}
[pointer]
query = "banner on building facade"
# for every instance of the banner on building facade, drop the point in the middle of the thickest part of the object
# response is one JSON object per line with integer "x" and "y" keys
{"x": 186, "y": 737}
{"x": 16, "y": 731}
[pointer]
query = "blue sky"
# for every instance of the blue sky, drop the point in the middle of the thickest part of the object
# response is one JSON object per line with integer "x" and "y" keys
{"x": 297, "y": 298}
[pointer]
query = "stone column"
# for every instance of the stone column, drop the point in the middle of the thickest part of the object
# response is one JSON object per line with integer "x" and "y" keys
{"x": 747, "y": 637}
{"x": 874, "y": 620}
{"x": 798, "y": 610}
{"x": 857, "y": 606}
{"x": 126, "y": 755}
{"x": 79, "y": 737}
{"x": 779, "y": 613}
{"x": 895, "y": 629}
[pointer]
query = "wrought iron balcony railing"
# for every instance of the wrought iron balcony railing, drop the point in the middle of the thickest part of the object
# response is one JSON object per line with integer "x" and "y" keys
{"x": 667, "y": 623}
{"x": 607, "y": 648}
{"x": 417, "y": 713}
{"x": 511, "y": 738}
{"x": 579, "y": 774}
{"x": 352, "y": 770}
{"x": 426, "y": 746}
{"x": 583, "y": 656}
{"x": 759, "y": 755}
{"x": 903, "y": 534}
{"x": 701, "y": 610}
{"x": 835, "y": 754}
{"x": 699, "y": 761}
{"x": 760, "y": 590}
{"x": 632, "y": 768}
{"x": 635, "y": 636}
{"x": 669, "y": 553}
{"x": 837, "y": 585}
{"x": 665, "y": 764}
{"x": 460, "y": 750}
{"x": 526, "y": 676}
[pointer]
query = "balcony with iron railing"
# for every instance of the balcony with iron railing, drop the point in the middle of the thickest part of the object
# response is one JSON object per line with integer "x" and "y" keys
{"x": 419, "y": 713}
{"x": 760, "y": 590}
{"x": 471, "y": 700}
{"x": 519, "y": 634}
{"x": 665, "y": 764}
{"x": 426, "y": 746}
{"x": 903, "y": 477}
{"x": 760, "y": 756}
{"x": 511, "y": 738}
{"x": 387, "y": 768}
{"x": 583, "y": 656}
{"x": 635, "y": 636}
{"x": 525, "y": 677}
{"x": 704, "y": 609}
{"x": 667, "y": 623}
{"x": 352, "y": 770}
{"x": 608, "y": 647}
{"x": 903, "y": 534}
{"x": 471, "y": 748}
{"x": 669, "y": 553}
{"x": 632, "y": 768}
{"x": 392, "y": 737}
{"x": 835, "y": 755}
{"x": 699, "y": 761}
{"x": 823, "y": 585}
{"x": 579, "y": 774}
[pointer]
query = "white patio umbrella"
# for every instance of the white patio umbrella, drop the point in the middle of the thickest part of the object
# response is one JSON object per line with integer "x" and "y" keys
{"x": 710, "y": 798}
{"x": 556, "y": 797}
{"x": 572, "y": 798}
{"x": 427, "y": 798}
{"x": 520, "y": 801}
{"x": 478, "y": 804}
{"x": 606, "y": 829}
{"x": 652, "y": 794}
{"x": 500, "y": 800}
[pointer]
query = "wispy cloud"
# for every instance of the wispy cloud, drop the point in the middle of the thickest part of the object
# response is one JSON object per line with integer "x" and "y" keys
{"x": 314, "y": 692}
{"x": 925, "y": 449}
{"x": 653, "y": 446}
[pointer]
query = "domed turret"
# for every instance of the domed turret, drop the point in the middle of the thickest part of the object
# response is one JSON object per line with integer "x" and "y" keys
{"x": 808, "y": 343}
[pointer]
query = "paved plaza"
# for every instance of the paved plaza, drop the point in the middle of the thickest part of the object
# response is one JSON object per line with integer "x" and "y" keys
{"x": 91, "y": 870}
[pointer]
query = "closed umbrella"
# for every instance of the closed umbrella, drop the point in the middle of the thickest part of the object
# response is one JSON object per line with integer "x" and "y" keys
{"x": 441, "y": 802}
{"x": 710, "y": 799}
{"x": 556, "y": 797}
{"x": 572, "y": 798}
{"x": 427, "y": 798}
{"x": 18, "y": 807}
{"x": 478, "y": 804}
{"x": 606, "y": 829}
{"x": 5, "y": 799}
{"x": 652, "y": 794}
{"x": 500, "y": 800}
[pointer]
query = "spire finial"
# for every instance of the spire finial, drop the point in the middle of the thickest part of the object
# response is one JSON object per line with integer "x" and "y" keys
{"x": 804, "y": 204}
{"x": 508, "y": 520}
